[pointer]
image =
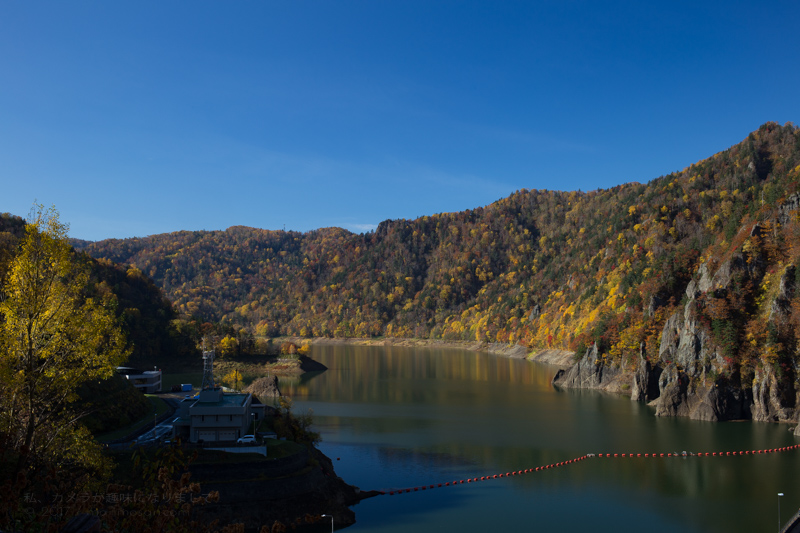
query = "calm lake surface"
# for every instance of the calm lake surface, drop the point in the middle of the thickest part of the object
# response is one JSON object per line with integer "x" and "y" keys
{"x": 401, "y": 418}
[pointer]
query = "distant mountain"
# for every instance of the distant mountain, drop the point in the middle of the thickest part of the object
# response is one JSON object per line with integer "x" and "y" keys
{"x": 714, "y": 245}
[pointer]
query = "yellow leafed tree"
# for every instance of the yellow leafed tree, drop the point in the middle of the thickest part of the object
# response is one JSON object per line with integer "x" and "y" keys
{"x": 233, "y": 379}
{"x": 228, "y": 346}
{"x": 52, "y": 341}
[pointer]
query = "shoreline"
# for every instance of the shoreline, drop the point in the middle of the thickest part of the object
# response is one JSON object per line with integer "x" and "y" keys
{"x": 554, "y": 357}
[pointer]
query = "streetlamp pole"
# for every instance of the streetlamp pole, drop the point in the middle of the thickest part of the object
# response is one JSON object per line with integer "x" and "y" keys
{"x": 779, "y": 511}
{"x": 331, "y": 517}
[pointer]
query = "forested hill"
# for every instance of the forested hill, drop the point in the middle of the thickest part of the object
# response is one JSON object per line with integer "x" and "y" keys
{"x": 145, "y": 314}
{"x": 543, "y": 268}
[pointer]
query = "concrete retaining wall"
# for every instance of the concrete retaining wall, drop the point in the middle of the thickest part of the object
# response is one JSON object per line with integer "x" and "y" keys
{"x": 256, "y": 470}
{"x": 249, "y": 449}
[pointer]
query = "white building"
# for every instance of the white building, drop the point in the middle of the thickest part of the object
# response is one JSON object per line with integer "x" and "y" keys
{"x": 149, "y": 381}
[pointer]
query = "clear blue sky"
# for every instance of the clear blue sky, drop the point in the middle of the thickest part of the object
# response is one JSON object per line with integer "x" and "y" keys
{"x": 136, "y": 118}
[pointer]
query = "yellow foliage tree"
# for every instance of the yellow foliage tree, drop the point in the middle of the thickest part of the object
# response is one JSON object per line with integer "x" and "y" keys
{"x": 52, "y": 341}
{"x": 228, "y": 346}
{"x": 233, "y": 379}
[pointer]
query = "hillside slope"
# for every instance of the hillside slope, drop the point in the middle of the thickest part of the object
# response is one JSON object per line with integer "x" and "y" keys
{"x": 144, "y": 312}
{"x": 692, "y": 273}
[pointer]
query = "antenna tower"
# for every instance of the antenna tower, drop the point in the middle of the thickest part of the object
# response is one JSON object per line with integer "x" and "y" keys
{"x": 208, "y": 368}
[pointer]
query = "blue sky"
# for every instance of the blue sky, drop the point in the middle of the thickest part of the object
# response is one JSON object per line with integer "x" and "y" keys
{"x": 143, "y": 117}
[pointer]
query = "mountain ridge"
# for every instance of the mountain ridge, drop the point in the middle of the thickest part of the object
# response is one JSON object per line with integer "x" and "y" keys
{"x": 545, "y": 269}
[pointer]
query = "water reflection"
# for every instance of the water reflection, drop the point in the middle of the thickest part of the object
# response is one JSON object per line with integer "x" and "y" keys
{"x": 405, "y": 417}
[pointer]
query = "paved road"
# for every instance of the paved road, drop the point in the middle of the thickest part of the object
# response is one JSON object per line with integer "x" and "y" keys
{"x": 148, "y": 435}
{"x": 161, "y": 431}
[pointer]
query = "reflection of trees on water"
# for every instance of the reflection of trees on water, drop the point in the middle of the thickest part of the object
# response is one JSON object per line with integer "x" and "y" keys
{"x": 286, "y": 382}
{"x": 308, "y": 376}
{"x": 363, "y": 370}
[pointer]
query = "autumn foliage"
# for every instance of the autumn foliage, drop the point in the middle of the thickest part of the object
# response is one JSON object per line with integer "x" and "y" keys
{"x": 541, "y": 268}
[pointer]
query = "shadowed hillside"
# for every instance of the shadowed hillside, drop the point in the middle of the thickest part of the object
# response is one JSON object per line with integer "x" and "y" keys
{"x": 144, "y": 312}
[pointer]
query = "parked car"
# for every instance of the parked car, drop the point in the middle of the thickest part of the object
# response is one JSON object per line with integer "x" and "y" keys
{"x": 247, "y": 439}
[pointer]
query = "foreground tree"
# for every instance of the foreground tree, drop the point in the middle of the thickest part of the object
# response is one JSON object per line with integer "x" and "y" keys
{"x": 52, "y": 340}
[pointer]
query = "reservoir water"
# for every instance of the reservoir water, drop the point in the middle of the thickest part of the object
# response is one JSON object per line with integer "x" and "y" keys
{"x": 394, "y": 418}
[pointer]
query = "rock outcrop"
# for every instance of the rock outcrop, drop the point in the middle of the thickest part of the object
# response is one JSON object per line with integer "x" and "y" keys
{"x": 591, "y": 372}
{"x": 645, "y": 380}
{"x": 684, "y": 343}
{"x": 767, "y": 405}
{"x": 266, "y": 387}
{"x": 791, "y": 204}
{"x": 781, "y": 305}
{"x": 560, "y": 358}
{"x": 713, "y": 402}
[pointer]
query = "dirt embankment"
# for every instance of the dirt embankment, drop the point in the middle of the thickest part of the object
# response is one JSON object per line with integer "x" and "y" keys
{"x": 269, "y": 366}
{"x": 392, "y": 341}
{"x": 559, "y": 358}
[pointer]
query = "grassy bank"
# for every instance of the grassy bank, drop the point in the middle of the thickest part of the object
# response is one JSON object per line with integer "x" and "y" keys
{"x": 159, "y": 407}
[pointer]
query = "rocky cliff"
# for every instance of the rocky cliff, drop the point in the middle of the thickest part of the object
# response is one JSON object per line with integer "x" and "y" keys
{"x": 591, "y": 372}
{"x": 692, "y": 375}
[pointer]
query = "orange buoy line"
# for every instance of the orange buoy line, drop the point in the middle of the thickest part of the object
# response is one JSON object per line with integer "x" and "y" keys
{"x": 700, "y": 454}
{"x": 392, "y": 492}
{"x": 484, "y": 478}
